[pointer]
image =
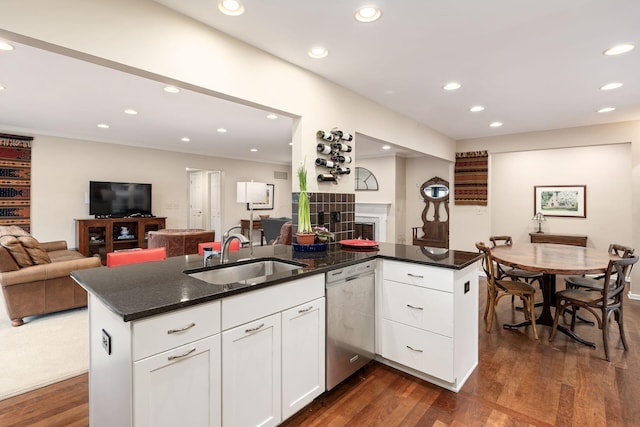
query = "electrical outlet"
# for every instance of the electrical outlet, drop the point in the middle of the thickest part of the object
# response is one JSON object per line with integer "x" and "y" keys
{"x": 106, "y": 342}
{"x": 335, "y": 216}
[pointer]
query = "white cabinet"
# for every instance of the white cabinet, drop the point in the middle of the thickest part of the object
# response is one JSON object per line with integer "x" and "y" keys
{"x": 163, "y": 370}
{"x": 251, "y": 376}
{"x": 250, "y": 359}
{"x": 272, "y": 365}
{"x": 428, "y": 321}
{"x": 303, "y": 355}
{"x": 179, "y": 387}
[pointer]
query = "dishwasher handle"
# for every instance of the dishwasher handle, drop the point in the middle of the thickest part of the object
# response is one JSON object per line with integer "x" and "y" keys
{"x": 348, "y": 279}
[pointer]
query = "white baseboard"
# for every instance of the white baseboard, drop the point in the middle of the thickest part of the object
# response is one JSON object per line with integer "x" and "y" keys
{"x": 633, "y": 296}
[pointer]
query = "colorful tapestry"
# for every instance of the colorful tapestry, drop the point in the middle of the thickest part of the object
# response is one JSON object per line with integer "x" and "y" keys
{"x": 15, "y": 180}
{"x": 470, "y": 178}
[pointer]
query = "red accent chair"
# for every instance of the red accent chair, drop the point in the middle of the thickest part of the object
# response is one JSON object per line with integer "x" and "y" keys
{"x": 134, "y": 256}
{"x": 234, "y": 246}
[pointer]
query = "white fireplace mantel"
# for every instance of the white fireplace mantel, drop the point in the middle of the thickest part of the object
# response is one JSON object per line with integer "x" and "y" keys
{"x": 376, "y": 213}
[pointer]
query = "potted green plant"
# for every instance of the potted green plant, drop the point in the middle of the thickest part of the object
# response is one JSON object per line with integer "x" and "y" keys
{"x": 305, "y": 234}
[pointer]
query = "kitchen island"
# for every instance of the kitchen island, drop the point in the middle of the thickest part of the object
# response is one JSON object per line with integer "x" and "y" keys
{"x": 162, "y": 339}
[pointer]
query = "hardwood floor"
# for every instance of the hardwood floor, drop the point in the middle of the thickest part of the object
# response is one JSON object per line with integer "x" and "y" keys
{"x": 519, "y": 381}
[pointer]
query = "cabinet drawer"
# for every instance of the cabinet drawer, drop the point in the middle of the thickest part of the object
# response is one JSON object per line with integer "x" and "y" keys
{"x": 166, "y": 331}
{"x": 243, "y": 308}
{"x": 422, "y": 308}
{"x": 421, "y": 350}
{"x": 418, "y": 275}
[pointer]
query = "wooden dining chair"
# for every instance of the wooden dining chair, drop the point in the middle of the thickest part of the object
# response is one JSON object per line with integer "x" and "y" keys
{"x": 601, "y": 303}
{"x": 498, "y": 288}
{"x": 595, "y": 282}
{"x": 516, "y": 274}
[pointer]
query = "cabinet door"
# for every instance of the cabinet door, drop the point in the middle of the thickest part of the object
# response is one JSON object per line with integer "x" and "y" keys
{"x": 303, "y": 344}
{"x": 251, "y": 374}
{"x": 180, "y": 387}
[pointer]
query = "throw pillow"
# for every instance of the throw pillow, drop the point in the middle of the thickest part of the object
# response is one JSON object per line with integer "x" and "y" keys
{"x": 19, "y": 254}
{"x": 12, "y": 230}
{"x": 35, "y": 251}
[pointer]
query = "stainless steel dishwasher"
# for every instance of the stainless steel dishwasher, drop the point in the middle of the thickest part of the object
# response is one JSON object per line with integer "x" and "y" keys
{"x": 350, "y": 320}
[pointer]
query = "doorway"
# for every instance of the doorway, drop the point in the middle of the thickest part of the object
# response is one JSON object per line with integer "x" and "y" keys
{"x": 205, "y": 201}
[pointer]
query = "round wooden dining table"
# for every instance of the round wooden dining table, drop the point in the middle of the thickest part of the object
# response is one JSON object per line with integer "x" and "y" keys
{"x": 551, "y": 259}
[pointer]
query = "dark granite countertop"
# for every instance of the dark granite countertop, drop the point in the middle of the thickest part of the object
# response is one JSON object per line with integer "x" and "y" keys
{"x": 142, "y": 290}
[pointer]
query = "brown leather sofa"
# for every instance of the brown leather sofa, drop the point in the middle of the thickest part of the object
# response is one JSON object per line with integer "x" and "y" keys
{"x": 180, "y": 241}
{"x": 44, "y": 287}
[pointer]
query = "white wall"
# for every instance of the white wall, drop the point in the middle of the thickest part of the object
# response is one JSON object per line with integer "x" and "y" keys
{"x": 62, "y": 169}
{"x": 399, "y": 213}
{"x": 605, "y": 170}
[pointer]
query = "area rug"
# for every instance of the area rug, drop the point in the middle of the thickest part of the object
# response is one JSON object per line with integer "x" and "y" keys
{"x": 45, "y": 350}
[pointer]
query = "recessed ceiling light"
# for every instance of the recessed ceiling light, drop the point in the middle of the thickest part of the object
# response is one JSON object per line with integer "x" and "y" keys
{"x": 130, "y": 111}
{"x": 495, "y": 124}
{"x": 253, "y": 150}
{"x": 221, "y": 130}
{"x": 272, "y": 116}
{"x": 103, "y": 126}
{"x": 2, "y": 87}
{"x": 610, "y": 86}
{"x": 476, "y": 108}
{"x": 619, "y": 49}
{"x": 390, "y": 92}
{"x": 231, "y": 7}
{"x": 185, "y": 139}
{"x": 452, "y": 86}
{"x": 291, "y": 144}
{"x": 368, "y": 14}
{"x": 606, "y": 109}
{"x": 386, "y": 147}
{"x": 6, "y": 46}
{"x": 318, "y": 52}
{"x": 171, "y": 89}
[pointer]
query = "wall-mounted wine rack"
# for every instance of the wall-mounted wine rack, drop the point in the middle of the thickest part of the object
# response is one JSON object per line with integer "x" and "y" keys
{"x": 333, "y": 154}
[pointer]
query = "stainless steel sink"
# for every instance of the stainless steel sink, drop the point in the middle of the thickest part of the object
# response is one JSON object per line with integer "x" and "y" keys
{"x": 252, "y": 272}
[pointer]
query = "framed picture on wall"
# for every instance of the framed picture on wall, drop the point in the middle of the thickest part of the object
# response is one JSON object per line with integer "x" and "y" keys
{"x": 560, "y": 200}
{"x": 266, "y": 205}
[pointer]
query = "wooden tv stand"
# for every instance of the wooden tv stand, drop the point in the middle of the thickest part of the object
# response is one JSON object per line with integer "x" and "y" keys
{"x": 561, "y": 239}
{"x": 97, "y": 237}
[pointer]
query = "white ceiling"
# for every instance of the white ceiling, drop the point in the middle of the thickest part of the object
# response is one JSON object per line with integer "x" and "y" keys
{"x": 534, "y": 66}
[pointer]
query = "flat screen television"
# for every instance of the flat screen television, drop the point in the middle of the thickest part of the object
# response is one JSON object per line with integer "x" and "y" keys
{"x": 119, "y": 199}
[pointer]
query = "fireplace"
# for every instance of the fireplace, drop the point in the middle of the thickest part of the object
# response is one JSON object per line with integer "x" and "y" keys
{"x": 375, "y": 213}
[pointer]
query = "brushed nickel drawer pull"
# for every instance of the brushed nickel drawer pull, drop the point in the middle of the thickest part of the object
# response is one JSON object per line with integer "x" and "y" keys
{"x": 180, "y": 356}
{"x": 305, "y": 310}
{"x": 414, "y": 349}
{"x": 175, "y": 331}
{"x": 415, "y": 308}
{"x": 417, "y": 276}
{"x": 254, "y": 329}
